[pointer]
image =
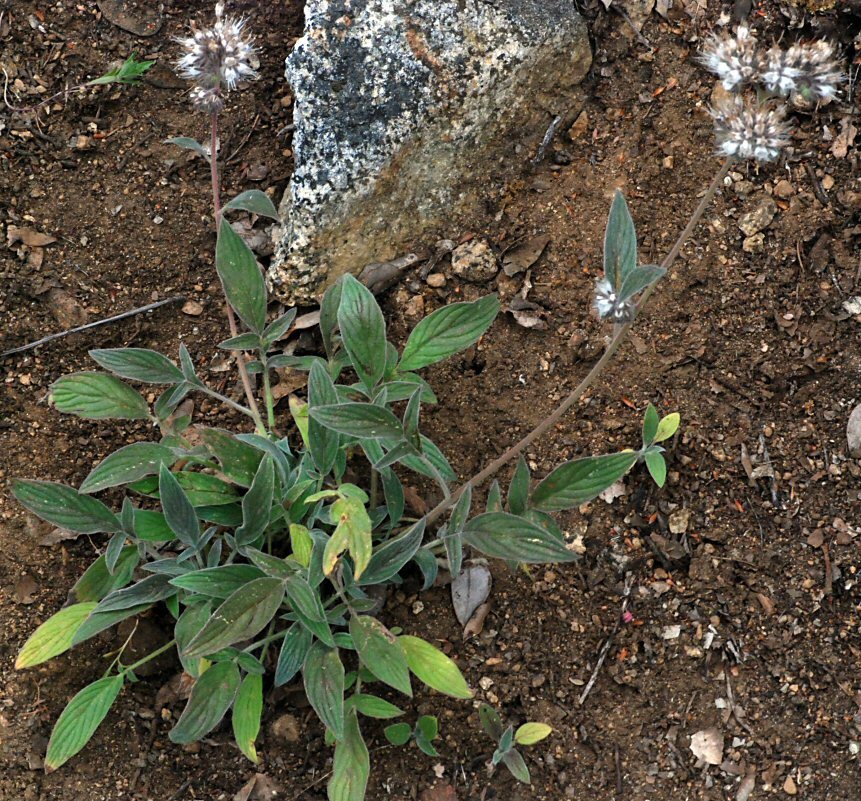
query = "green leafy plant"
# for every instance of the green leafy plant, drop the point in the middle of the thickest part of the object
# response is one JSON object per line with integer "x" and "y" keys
{"x": 129, "y": 73}
{"x": 267, "y": 547}
{"x": 506, "y": 737}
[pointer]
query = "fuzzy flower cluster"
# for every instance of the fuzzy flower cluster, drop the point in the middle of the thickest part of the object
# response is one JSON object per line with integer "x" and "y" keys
{"x": 750, "y": 131}
{"x": 216, "y": 59}
{"x": 610, "y": 307}
{"x": 810, "y": 69}
{"x": 754, "y": 127}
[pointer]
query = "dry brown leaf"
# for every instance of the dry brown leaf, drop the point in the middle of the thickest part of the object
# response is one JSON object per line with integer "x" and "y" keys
{"x": 844, "y": 140}
{"x": 521, "y": 257}
{"x": 259, "y": 788}
{"x": 28, "y": 236}
{"x": 475, "y": 625}
{"x": 25, "y": 589}
{"x": 58, "y": 535}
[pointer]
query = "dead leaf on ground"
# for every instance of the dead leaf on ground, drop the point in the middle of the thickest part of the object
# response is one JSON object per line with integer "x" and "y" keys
{"x": 470, "y": 589}
{"x": 141, "y": 19}
{"x": 844, "y": 140}
{"x": 476, "y": 623}
{"x": 66, "y": 309}
{"x": 415, "y": 502}
{"x": 615, "y": 490}
{"x": 308, "y": 320}
{"x": 28, "y": 236}
{"x": 521, "y": 257}
{"x": 288, "y": 381}
{"x": 707, "y": 745}
{"x": 745, "y": 788}
{"x": 57, "y": 535}
{"x": 177, "y": 688}
{"x": 259, "y": 788}
{"x": 25, "y": 589}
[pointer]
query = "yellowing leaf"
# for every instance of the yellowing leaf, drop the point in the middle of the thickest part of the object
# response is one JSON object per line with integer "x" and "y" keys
{"x": 531, "y": 733}
{"x": 667, "y": 427}
{"x": 434, "y": 668}
{"x": 54, "y": 636}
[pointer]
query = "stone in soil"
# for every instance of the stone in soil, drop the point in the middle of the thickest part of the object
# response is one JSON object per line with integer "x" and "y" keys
{"x": 407, "y": 117}
{"x": 759, "y": 217}
{"x": 474, "y": 261}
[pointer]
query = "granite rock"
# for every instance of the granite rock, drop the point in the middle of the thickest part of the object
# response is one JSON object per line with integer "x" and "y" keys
{"x": 408, "y": 115}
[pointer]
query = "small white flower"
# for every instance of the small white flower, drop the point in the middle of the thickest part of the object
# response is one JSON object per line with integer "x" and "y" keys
{"x": 608, "y": 305}
{"x": 217, "y": 59}
{"x": 734, "y": 59}
{"x": 748, "y": 130}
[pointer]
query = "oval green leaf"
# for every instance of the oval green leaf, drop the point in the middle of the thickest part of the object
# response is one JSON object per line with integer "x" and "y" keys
{"x": 360, "y": 420}
{"x": 531, "y": 733}
{"x": 65, "y": 507}
{"x": 447, "y": 331}
{"x": 247, "y": 709}
{"x": 126, "y": 465}
{"x": 211, "y": 697}
{"x": 98, "y": 396}
{"x": 323, "y": 675}
{"x": 138, "y": 364}
{"x": 580, "y": 480}
{"x": 434, "y": 668}
{"x": 80, "y": 719}
{"x": 505, "y": 536}
{"x": 380, "y": 652}
{"x": 351, "y": 766}
{"x": 240, "y": 277}
{"x": 363, "y": 330}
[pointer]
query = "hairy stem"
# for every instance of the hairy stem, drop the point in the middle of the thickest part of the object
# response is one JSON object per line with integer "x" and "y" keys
{"x": 267, "y": 393}
{"x": 620, "y": 335}
{"x": 231, "y": 317}
{"x": 225, "y": 400}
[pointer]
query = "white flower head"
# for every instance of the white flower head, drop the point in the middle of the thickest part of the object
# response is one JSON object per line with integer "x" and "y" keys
{"x": 736, "y": 60}
{"x": 811, "y": 70}
{"x": 608, "y": 305}
{"x": 750, "y": 130}
{"x": 216, "y": 59}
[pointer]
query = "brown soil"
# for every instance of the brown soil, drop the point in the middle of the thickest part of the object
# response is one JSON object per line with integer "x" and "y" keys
{"x": 743, "y": 591}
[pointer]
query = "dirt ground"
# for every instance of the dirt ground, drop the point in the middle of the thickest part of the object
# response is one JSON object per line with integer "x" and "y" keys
{"x": 742, "y": 573}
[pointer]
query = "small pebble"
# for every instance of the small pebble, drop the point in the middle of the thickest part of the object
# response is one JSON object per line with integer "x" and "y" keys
{"x": 436, "y": 280}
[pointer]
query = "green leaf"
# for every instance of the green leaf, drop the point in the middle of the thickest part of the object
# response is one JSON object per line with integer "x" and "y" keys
{"x": 245, "y": 613}
{"x": 380, "y": 652}
{"x": 531, "y": 733}
{"x": 620, "y": 243}
{"x": 65, "y": 507}
{"x": 304, "y": 599}
{"x": 329, "y": 317}
{"x": 257, "y": 504}
{"x": 80, "y": 719}
{"x": 434, "y": 668}
{"x": 323, "y": 675}
{"x": 360, "y": 420}
{"x": 581, "y": 480}
{"x": 398, "y": 733}
{"x": 273, "y": 566}
{"x": 126, "y": 465}
{"x": 97, "y": 581}
{"x": 372, "y": 707}
{"x": 388, "y": 558}
{"x": 294, "y": 650}
{"x": 352, "y": 533}
{"x": 255, "y": 202}
{"x": 241, "y": 342}
{"x": 189, "y": 623}
{"x": 301, "y": 544}
{"x": 98, "y": 621}
{"x": 518, "y": 492}
{"x": 217, "y": 582}
{"x": 151, "y": 526}
{"x": 128, "y": 72}
{"x": 650, "y": 425}
{"x": 201, "y": 489}
{"x": 280, "y": 326}
{"x": 657, "y": 467}
{"x": 363, "y": 330}
{"x": 211, "y": 697}
{"x": 516, "y": 766}
{"x": 239, "y": 461}
{"x": 667, "y": 427}
{"x": 426, "y": 560}
{"x": 240, "y": 277}
{"x": 178, "y": 511}
{"x": 54, "y": 636}
{"x": 148, "y": 590}
{"x": 490, "y": 721}
{"x": 323, "y": 440}
{"x": 98, "y": 396}
{"x": 351, "y": 766}
{"x": 447, "y": 331}
{"x": 188, "y": 143}
{"x": 426, "y": 732}
{"x": 138, "y": 364}
{"x": 505, "y": 536}
{"x": 638, "y": 279}
{"x": 247, "y": 710}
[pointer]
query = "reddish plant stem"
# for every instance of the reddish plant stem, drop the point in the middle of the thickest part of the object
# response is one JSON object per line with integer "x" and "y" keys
{"x": 231, "y": 317}
{"x": 619, "y": 337}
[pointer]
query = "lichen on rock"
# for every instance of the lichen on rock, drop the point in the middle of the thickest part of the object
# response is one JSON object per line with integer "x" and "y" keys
{"x": 406, "y": 114}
